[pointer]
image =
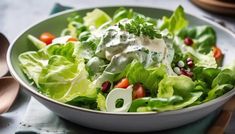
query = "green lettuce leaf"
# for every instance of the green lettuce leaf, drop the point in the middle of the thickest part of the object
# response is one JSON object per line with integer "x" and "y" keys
{"x": 83, "y": 101}
{"x": 68, "y": 50}
{"x": 63, "y": 80}
{"x": 122, "y": 13}
{"x": 36, "y": 42}
{"x": 96, "y": 18}
{"x": 101, "y": 102}
{"x": 141, "y": 102}
{"x": 204, "y": 38}
{"x": 58, "y": 72}
{"x": 224, "y": 77}
{"x": 202, "y": 60}
{"x": 190, "y": 100}
{"x": 231, "y": 67}
{"x": 119, "y": 63}
{"x": 206, "y": 75}
{"x": 158, "y": 104}
{"x": 149, "y": 77}
{"x": 75, "y": 26}
{"x": 175, "y": 23}
{"x": 95, "y": 66}
{"x": 213, "y": 82}
{"x": 175, "y": 85}
{"x": 217, "y": 91}
{"x": 32, "y": 64}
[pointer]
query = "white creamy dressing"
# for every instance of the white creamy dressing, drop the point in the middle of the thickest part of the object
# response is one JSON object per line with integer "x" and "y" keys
{"x": 118, "y": 46}
{"x": 134, "y": 44}
{"x": 155, "y": 45}
{"x": 61, "y": 40}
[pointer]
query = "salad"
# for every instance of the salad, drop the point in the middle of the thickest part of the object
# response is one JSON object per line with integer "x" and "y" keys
{"x": 129, "y": 62}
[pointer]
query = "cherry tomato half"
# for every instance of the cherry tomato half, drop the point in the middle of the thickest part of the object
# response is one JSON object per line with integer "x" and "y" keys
{"x": 47, "y": 37}
{"x": 138, "y": 91}
{"x": 124, "y": 83}
{"x": 217, "y": 53}
{"x": 72, "y": 39}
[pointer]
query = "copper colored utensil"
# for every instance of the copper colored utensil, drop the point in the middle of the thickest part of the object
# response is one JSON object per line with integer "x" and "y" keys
{"x": 9, "y": 89}
{"x": 4, "y": 43}
{"x": 217, "y": 6}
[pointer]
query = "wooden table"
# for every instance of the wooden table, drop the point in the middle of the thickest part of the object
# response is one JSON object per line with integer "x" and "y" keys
{"x": 16, "y": 15}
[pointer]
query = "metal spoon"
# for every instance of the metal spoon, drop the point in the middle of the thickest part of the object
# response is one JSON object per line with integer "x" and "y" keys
{"x": 4, "y": 43}
{"x": 9, "y": 89}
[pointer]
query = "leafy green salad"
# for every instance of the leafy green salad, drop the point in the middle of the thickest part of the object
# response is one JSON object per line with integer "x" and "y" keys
{"x": 129, "y": 62}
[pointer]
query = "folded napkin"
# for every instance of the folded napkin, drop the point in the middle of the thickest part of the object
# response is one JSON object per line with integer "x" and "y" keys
{"x": 39, "y": 120}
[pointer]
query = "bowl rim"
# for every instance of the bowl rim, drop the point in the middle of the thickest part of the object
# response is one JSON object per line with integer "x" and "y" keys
{"x": 33, "y": 90}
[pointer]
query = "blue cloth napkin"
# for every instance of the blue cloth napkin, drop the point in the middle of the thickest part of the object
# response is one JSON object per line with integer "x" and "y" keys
{"x": 39, "y": 120}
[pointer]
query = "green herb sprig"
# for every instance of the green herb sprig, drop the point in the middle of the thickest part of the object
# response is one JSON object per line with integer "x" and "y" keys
{"x": 141, "y": 26}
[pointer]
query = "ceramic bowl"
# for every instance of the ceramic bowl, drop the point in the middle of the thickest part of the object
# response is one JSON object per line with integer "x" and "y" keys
{"x": 121, "y": 122}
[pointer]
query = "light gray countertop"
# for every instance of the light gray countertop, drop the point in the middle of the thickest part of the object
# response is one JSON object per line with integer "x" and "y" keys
{"x": 16, "y": 15}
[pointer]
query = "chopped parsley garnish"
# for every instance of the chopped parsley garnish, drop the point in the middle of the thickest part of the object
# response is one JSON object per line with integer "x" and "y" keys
{"x": 141, "y": 26}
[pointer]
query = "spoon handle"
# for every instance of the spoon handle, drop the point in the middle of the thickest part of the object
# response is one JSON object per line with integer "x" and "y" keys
{"x": 4, "y": 43}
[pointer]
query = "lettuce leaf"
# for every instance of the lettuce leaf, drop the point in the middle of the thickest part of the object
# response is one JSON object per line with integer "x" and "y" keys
{"x": 175, "y": 23}
{"x": 101, "y": 103}
{"x": 58, "y": 72}
{"x": 217, "y": 91}
{"x": 64, "y": 80}
{"x": 68, "y": 50}
{"x": 36, "y": 42}
{"x": 232, "y": 68}
{"x": 224, "y": 77}
{"x": 213, "y": 82}
{"x": 95, "y": 66}
{"x": 75, "y": 26}
{"x": 122, "y": 13}
{"x": 206, "y": 75}
{"x": 202, "y": 60}
{"x": 163, "y": 104}
{"x": 175, "y": 85}
{"x": 96, "y": 18}
{"x": 83, "y": 101}
{"x": 32, "y": 64}
{"x": 204, "y": 37}
{"x": 120, "y": 63}
{"x": 190, "y": 100}
{"x": 149, "y": 77}
{"x": 141, "y": 102}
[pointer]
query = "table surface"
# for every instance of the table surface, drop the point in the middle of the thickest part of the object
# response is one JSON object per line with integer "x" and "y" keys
{"x": 16, "y": 15}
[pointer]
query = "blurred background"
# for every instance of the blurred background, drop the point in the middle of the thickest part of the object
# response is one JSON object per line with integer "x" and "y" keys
{"x": 16, "y": 15}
